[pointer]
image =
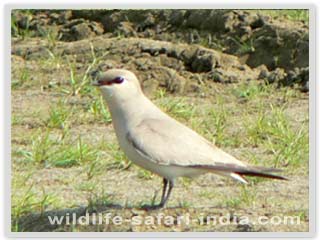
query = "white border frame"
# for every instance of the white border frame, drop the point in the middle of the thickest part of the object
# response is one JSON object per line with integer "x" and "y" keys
{"x": 312, "y": 122}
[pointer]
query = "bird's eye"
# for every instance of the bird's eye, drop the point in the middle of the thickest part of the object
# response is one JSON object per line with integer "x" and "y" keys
{"x": 118, "y": 80}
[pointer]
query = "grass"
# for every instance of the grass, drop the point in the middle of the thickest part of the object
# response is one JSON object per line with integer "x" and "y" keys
{"x": 58, "y": 115}
{"x": 49, "y": 149}
{"x": 273, "y": 131}
{"x": 79, "y": 83}
{"x": 94, "y": 168}
{"x": 21, "y": 32}
{"x": 55, "y": 60}
{"x": 252, "y": 90}
{"x": 98, "y": 109}
{"x": 23, "y": 79}
{"x": 246, "y": 198}
{"x": 177, "y": 107}
{"x": 98, "y": 199}
{"x": 215, "y": 124}
{"x": 290, "y": 14}
{"x": 40, "y": 149}
{"x": 243, "y": 47}
{"x": 76, "y": 154}
{"x": 28, "y": 200}
{"x": 144, "y": 174}
{"x": 118, "y": 158}
{"x": 233, "y": 202}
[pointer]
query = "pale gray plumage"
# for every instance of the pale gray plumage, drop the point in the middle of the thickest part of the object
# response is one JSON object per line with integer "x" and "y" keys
{"x": 182, "y": 149}
{"x": 155, "y": 141}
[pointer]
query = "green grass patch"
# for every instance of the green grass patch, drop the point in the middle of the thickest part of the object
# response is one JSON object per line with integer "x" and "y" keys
{"x": 22, "y": 80}
{"x": 246, "y": 197}
{"x": 19, "y": 31}
{"x": 273, "y": 131}
{"x": 98, "y": 109}
{"x": 290, "y": 14}
{"x": 59, "y": 115}
{"x": 118, "y": 159}
{"x": 50, "y": 150}
{"x": 177, "y": 107}
{"x": 27, "y": 200}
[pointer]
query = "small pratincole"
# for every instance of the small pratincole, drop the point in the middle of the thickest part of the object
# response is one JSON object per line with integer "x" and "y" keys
{"x": 156, "y": 142}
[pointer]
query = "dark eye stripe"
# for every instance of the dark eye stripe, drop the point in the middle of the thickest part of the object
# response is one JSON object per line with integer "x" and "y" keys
{"x": 102, "y": 83}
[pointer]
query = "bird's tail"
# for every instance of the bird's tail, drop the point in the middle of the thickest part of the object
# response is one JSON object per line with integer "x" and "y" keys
{"x": 238, "y": 172}
{"x": 261, "y": 172}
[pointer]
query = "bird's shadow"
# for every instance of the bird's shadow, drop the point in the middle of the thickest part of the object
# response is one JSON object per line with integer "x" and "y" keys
{"x": 40, "y": 222}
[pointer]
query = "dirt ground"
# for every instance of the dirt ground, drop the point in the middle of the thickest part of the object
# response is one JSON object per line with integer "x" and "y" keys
{"x": 240, "y": 78}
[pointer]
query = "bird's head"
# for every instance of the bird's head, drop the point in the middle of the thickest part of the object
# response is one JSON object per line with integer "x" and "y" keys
{"x": 118, "y": 84}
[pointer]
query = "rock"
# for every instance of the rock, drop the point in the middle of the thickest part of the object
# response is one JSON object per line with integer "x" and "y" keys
{"x": 217, "y": 20}
{"x": 148, "y": 22}
{"x": 277, "y": 46}
{"x": 195, "y": 19}
{"x": 263, "y": 72}
{"x": 199, "y": 60}
{"x": 222, "y": 76}
{"x": 169, "y": 79}
{"x": 64, "y": 17}
{"x": 126, "y": 29}
{"x": 259, "y": 22}
{"x": 111, "y": 21}
{"x": 243, "y": 30}
{"x": 282, "y": 78}
{"x": 148, "y": 33}
{"x": 216, "y": 77}
{"x": 203, "y": 63}
{"x": 80, "y": 29}
{"x": 177, "y": 18}
{"x": 297, "y": 76}
{"x": 186, "y": 55}
{"x": 172, "y": 63}
{"x": 22, "y": 21}
{"x": 242, "y": 67}
{"x": 106, "y": 65}
{"x": 276, "y": 76}
{"x": 54, "y": 17}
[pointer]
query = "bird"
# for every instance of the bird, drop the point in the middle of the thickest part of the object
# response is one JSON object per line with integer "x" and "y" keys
{"x": 153, "y": 140}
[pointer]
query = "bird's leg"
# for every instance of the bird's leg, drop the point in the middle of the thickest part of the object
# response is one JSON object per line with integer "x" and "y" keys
{"x": 164, "y": 200}
{"x": 164, "y": 189}
{"x": 163, "y": 197}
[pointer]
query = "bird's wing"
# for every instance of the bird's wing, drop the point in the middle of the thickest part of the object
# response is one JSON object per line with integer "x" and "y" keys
{"x": 168, "y": 142}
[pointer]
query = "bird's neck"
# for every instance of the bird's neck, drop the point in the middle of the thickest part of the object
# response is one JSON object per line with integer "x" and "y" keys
{"x": 129, "y": 111}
